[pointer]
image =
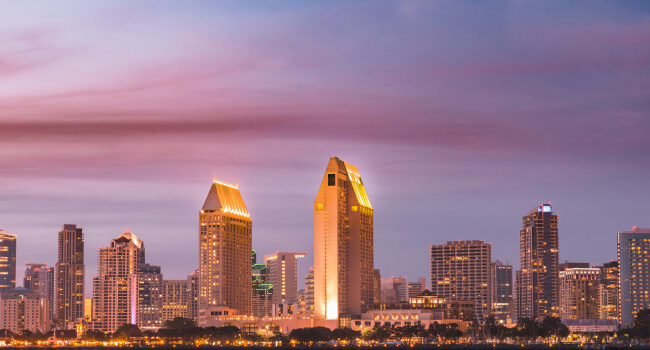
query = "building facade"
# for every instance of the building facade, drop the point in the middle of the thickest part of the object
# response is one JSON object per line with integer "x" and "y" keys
{"x": 460, "y": 270}
{"x": 115, "y": 288}
{"x": 193, "y": 296}
{"x": 634, "y": 269}
{"x": 24, "y": 310}
{"x": 225, "y": 245}
{"x": 174, "y": 299}
{"x": 150, "y": 299}
{"x": 39, "y": 278}
{"x": 283, "y": 275}
{"x": 579, "y": 293}
{"x": 394, "y": 290}
{"x": 608, "y": 304}
{"x": 70, "y": 277}
{"x": 262, "y": 303}
{"x": 539, "y": 253}
{"x": 309, "y": 292}
{"x": 343, "y": 245}
{"x": 7, "y": 261}
{"x": 501, "y": 295}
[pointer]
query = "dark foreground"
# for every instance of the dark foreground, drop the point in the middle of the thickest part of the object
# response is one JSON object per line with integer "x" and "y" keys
{"x": 298, "y": 347}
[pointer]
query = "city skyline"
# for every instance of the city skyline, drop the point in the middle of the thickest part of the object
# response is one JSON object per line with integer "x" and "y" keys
{"x": 457, "y": 113}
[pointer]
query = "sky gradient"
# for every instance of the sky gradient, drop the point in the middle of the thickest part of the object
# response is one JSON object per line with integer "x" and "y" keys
{"x": 461, "y": 117}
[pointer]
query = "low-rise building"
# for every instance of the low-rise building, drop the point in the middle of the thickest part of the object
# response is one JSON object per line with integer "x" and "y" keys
{"x": 24, "y": 310}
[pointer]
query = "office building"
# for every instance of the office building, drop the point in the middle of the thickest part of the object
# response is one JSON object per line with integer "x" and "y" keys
{"x": 193, "y": 296}
{"x": 225, "y": 245}
{"x": 460, "y": 270}
{"x": 634, "y": 269}
{"x": 501, "y": 294}
{"x": 538, "y": 279}
{"x": 7, "y": 262}
{"x": 262, "y": 303}
{"x": 283, "y": 275}
{"x": 174, "y": 299}
{"x": 70, "y": 277}
{"x": 115, "y": 288}
{"x": 416, "y": 288}
{"x": 343, "y": 245}
{"x": 309, "y": 292}
{"x": 39, "y": 278}
{"x": 150, "y": 299}
{"x": 608, "y": 304}
{"x": 394, "y": 290}
{"x": 23, "y": 310}
{"x": 579, "y": 293}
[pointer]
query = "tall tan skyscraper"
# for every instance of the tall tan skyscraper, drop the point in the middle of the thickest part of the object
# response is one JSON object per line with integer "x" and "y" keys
{"x": 115, "y": 288}
{"x": 70, "y": 277}
{"x": 538, "y": 288}
{"x": 225, "y": 245}
{"x": 343, "y": 244}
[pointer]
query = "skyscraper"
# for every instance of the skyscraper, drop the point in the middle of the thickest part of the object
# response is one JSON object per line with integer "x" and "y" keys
{"x": 501, "y": 290}
{"x": 343, "y": 245}
{"x": 7, "y": 262}
{"x": 460, "y": 270}
{"x": 39, "y": 278}
{"x": 283, "y": 275}
{"x": 70, "y": 277}
{"x": 262, "y": 303}
{"x": 538, "y": 277}
{"x": 150, "y": 299}
{"x": 115, "y": 288}
{"x": 634, "y": 268}
{"x": 225, "y": 245}
{"x": 579, "y": 293}
{"x": 608, "y": 302}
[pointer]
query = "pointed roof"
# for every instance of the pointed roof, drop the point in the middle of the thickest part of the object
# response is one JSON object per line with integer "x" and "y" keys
{"x": 225, "y": 197}
{"x": 129, "y": 236}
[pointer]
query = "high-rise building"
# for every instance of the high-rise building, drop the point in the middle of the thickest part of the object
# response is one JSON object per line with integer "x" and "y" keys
{"x": 193, "y": 296}
{"x": 174, "y": 299}
{"x": 343, "y": 245}
{"x": 150, "y": 299}
{"x": 608, "y": 304}
{"x": 416, "y": 288}
{"x": 115, "y": 288}
{"x": 262, "y": 302}
{"x": 634, "y": 269}
{"x": 7, "y": 262}
{"x": 225, "y": 245}
{"x": 309, "y": 292}
{"x": 460, "y": 270}
{"x": 501, "y": 290}
{"x": 538, "y": 249}
{"x": 23, "y": 310}
{"x": 579, "y": 293}
{"x": 283, "y": 275}
{"x": 394, "y": 290}
{"x": 70, "y": 277}
{"x": 39, "y": 278}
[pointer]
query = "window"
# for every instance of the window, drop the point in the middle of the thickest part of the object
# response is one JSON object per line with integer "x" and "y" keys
{"x": 331, "y": 179}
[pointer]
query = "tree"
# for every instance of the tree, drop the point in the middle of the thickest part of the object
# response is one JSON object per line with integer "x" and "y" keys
{"x": 127, "y": 331}
{"x": 347, "y": 334}
{"x": 642, "y": 325}
{"x": 314, "y": 334}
